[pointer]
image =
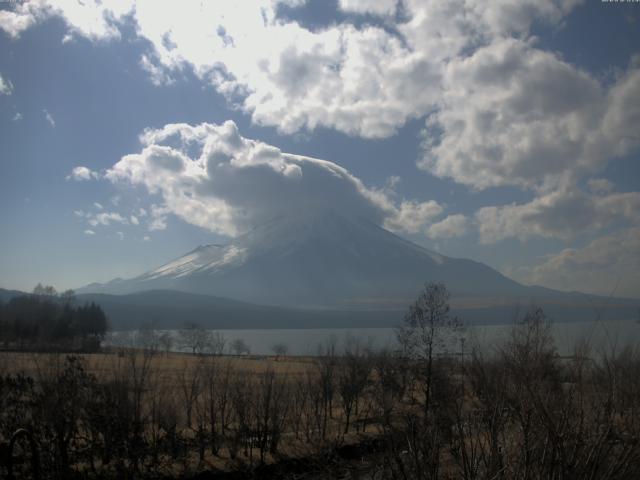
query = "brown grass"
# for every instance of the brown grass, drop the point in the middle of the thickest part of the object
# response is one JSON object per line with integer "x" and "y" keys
{"x": 102, "y": 364}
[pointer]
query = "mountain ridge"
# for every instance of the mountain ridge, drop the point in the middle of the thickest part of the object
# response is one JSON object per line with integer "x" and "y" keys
{"x": 327, "y": 260}
{"x": 170, "y": 309}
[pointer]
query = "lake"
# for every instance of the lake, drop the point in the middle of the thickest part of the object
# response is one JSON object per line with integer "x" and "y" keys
{"x": 600, "y": 334}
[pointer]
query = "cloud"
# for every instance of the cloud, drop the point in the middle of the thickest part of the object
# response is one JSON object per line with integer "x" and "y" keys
{"x": 374, "y": 7}
{"x": 89, "y": 232}
{"x": 158, "y": 218}
{"x": 134, "y": 220}
{"x": 17, "y": 117}
{"x": 450, "y": 227}
{"x": 514, "y": 115}
{"x": 621, "y": 122}
{"x": 24, "y": 15}
{"x": 562, "y": 214}
{"x": 120, "y": 235}
{"x": 6, "y": 87}
{"x": 93, "y": 19}
{"x": 212, "y": 177}
{"x": 363, "y": 80}
{"x": 82, "y": 174}
{"x": 49, "y": 118}
{"x": 158, "y": 75}
{"x": 98, "y": 205}
{"x": 498, "y": 109}
{"x": 600, "y": 185}
{"x": 411, "y": 216}
{"x": 105, "y": 218}
{"x": 605, "y": 263}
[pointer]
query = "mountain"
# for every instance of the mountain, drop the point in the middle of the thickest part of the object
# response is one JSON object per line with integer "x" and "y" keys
{"x": 6, "y": 295}
{"x": 327, "y": 260}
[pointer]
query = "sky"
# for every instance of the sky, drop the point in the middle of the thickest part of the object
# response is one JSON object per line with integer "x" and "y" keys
{"x": 506, "y": 132}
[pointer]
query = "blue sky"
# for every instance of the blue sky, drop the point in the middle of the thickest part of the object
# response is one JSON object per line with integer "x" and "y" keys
{"x": 505, "y": 133}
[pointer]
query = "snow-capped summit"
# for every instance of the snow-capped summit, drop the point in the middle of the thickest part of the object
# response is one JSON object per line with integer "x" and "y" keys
{"x": 325, "y": 260}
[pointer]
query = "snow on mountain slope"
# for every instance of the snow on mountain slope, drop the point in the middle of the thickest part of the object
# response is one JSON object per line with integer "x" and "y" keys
{"x": 328, "y": 260}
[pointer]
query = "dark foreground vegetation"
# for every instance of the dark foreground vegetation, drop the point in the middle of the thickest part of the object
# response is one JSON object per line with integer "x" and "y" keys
{"x": 519, "y": 412}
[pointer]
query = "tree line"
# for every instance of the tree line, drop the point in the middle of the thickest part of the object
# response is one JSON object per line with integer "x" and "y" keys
{"x": 46, "y": 320}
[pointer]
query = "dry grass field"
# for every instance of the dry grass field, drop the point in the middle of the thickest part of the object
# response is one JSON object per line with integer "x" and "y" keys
{"x": 172, "y": 364}
{"x": 522, "y": 413}
{"x": 198, "y": 413}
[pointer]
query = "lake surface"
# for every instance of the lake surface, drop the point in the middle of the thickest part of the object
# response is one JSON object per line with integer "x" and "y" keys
{"x": 601, "y": 335}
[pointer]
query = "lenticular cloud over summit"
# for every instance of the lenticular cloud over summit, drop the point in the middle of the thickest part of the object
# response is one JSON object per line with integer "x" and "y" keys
{"x": 212, "y": 177}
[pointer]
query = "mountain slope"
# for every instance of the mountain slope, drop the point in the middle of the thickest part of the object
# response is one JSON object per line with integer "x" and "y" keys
{"x": 328, "y": 260}
{"x": 6, "y": 295}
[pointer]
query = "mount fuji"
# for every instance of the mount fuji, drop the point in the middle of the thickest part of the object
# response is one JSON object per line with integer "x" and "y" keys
{"x": 328, "y": 260}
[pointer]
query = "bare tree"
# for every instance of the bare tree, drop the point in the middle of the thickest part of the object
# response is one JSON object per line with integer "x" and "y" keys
{"x": 166, "y": 341}
{"x": 44, "y": 291}
{"x": 147, "y": 338}
{"x": 240, "y": 347}
{"x": 68, "y": 296}
{"x": 271, "y": 406}
{"x": 217, "y": 343}
{"x": 426, "y": 331}
{"x": 280, "y": 350}
{"x": 242, "y": 409}
{"x": 327, "y": 366}
{"x": 216, "y": 392}
{"x": 194, "y": 337}
{"x": 353, "y": 377}
{"x": 190, "y": 383}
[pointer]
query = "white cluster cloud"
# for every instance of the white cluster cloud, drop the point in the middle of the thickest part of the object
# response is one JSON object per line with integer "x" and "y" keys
{"x": 93, "y": 19}
{"x": 82, "y": 174}
{"x": 499, "y": 110}
{"x": 515, "y": 115}
{"x": 450, "y": 227}
{"x": 158, "y": 218}
{"x": 412, "y": 216}
{"x": 212, "y": 177}
{"x": 6, "y": 87}
{"x": 365, "y": 81}
{"x": 105, "y": 218}
{"x": 138, "y": 217}
{"x": 49, "y": 118}
{"x": 373, "y": 7}
{"x": 606, "y": 263}
{"x": 563, "y": 214}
